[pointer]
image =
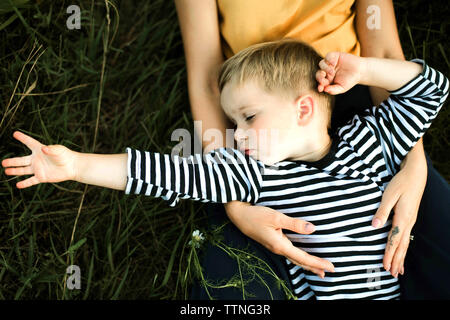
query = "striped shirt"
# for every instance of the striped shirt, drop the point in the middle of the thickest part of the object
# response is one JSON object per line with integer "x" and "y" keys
{"x": 339, "y": 194}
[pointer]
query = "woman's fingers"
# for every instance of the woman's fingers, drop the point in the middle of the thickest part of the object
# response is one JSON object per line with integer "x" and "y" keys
{"x": 388, "y": 201}
{"x": 396, "y": 247}
{"x": 283, "y": 221}
{"x": 26, "y": 140}
{"x": 17, "y": 162}
{"x": 402, "y": 223}
{"x": 395, "y": 254}
{"x": 399, "y": 257}
{"x": 294, "y": 254}
{"x": 301, "y": 257}
{"x": 265, "y": 225}
{"x": 392, "y": 243}
{"x": 319, "y": 272}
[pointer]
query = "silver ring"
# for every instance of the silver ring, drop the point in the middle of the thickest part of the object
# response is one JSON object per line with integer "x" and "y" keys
{"x": 411, "y": 237}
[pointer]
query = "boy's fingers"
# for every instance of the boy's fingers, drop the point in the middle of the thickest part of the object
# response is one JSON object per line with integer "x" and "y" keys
{"x": 53, "y": 150}
{"x": 332, "y": 58}
{"x": 26, "y": 140}
{"x": 334, "y": 89}
{"x": 321, "y": 77}
{"x": 19, "y": 171}
{"x": 27, "y": 183}
{"x": 322, "y": 80}
{"x": 17, "y": 162}
{"x": 326, "y": 67}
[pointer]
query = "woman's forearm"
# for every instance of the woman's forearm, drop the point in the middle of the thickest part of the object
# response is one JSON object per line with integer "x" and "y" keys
{"x": 384, "y": 42}
{"x": 103, "y": 170}
{"x": 205, "y": 107}
{"x": 415, "y": 159}
{"x": 380, "y": 41}
{"x": 199, "y": 25}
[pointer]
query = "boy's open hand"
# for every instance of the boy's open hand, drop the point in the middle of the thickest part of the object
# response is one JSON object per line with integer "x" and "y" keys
{"x": 53, "y": 163}
{"x": 339, "y": 72}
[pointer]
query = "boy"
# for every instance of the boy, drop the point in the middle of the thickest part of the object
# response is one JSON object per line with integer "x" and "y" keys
{"x": 334, "y": 180}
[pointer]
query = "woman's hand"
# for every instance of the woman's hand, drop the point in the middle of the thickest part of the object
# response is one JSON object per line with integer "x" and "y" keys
{"x": 265, "y": 225}
{"x": 339, "y": 72}
{"x": 53, "y": 163}
{"x": 403, "y": 195}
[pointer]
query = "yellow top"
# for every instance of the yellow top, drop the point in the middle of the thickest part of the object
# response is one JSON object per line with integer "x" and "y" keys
{"x": 326, "y": 25}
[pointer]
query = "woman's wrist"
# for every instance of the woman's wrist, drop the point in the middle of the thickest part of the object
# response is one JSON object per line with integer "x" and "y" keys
{"x": 230, "y": 207}
{"x": 415, "y": 159}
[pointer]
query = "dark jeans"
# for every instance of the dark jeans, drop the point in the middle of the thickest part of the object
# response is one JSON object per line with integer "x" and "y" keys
{"x": 218, "y": 266}
{"x": 427, "y": 263}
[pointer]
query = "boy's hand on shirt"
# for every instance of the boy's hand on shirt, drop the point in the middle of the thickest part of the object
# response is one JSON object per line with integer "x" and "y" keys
{"x": 339, "y": 72}
{"x": 53, "y": 163}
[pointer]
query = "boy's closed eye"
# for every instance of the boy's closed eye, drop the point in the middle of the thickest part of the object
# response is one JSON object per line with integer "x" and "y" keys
{"x": 249, "y": 118}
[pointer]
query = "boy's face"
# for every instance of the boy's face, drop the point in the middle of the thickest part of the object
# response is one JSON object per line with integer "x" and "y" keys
{"x": 266, "y": 123}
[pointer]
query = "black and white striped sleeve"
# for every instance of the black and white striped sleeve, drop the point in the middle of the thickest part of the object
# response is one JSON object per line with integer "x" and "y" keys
{"x": 223, "y": 175}
{"x": 401, "y": 120}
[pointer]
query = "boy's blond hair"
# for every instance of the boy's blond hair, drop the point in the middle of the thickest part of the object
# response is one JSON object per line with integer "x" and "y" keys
{"x": 286, "y": 66}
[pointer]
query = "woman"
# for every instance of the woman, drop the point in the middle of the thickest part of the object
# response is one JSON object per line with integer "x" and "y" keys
{"x": 213, "y": 29}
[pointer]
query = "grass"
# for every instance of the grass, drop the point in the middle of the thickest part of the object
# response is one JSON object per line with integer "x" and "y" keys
{"x": 121, "y": 81}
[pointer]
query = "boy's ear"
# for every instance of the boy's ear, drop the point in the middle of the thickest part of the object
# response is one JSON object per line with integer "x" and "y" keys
{"x": 305, "y": 109}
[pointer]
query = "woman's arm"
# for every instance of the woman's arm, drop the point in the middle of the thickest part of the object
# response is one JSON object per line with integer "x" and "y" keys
{"x": 199, "y": 25}
{"x": 382, "y": 42}
{"x": 405, "y": 190}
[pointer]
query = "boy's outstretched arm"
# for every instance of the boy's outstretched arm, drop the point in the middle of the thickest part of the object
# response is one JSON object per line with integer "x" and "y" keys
{"x": 57, "y": 163}
{"x": 220, "y": 176}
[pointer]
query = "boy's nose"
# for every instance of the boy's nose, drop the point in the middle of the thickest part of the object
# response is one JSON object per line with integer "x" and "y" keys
{"x": 240, "y": 136}
{"x": 246, "y": 138}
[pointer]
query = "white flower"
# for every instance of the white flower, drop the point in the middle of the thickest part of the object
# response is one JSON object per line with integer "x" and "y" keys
{"x": 197, "y": 238}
